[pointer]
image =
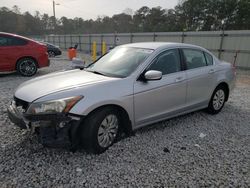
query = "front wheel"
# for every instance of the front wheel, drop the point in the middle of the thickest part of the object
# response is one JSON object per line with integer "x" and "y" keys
{"x": 26, "y": 67}
{"x": 217, "y": 100}
{"x": 100, "y": 130}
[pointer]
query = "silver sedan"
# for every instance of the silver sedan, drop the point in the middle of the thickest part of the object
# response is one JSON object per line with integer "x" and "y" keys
{"x": 130, "y": 87}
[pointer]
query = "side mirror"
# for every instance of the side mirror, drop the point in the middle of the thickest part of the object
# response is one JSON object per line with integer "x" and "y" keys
{"x": 153, "y": 75}
{"x": 77, "y": 63}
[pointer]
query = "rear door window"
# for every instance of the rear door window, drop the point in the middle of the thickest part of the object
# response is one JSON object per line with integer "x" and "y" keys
{"x": 4, "y": 41}
{"x": 194, "y": 58}
{"x": 12, "y": 41}
{"x": 18, "y": 41}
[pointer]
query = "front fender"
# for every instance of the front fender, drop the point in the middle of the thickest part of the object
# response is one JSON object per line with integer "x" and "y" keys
{"x": 84, "y": 107}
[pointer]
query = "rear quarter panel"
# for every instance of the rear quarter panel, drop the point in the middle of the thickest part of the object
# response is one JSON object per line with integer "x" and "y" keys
{"x": 38, "y": 52}
{"x": 225, "y": 73}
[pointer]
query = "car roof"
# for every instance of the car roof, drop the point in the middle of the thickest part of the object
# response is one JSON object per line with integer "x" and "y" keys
{"x": 159, "y": 45}
{"x": 15, "y": 35}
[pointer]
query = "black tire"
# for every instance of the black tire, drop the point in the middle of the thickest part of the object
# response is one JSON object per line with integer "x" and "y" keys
{"x": 219, "y": 97}
{"x": 91, "y": 127}
{"x": 51, "y": 54}
{"x": 26, "y": 67}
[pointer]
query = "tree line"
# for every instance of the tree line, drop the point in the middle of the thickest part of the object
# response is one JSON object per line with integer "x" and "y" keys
{"x": 188, "y": 15}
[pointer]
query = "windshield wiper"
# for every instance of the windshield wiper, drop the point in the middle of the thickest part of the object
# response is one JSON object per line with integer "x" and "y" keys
{"x": 105, "y": 74}
{"x": 96, "y": 72}
{"x": 95, "y": 60}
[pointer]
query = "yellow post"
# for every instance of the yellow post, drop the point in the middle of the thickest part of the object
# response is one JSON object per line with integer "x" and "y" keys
{"x": 94, "y": 51}
{"x": 104, "y": 47}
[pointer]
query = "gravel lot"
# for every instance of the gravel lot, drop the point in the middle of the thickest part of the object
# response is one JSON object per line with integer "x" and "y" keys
{"x": 194, "y": 150}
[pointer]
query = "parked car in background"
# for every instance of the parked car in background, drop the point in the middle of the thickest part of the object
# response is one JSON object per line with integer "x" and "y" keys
{"x": 130, "y": 87}
{"x": 21, "y": 54}
{"x": 53, "y": 50}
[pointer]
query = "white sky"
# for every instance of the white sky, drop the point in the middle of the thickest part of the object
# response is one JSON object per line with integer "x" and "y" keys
{"x": 85, "y": 8}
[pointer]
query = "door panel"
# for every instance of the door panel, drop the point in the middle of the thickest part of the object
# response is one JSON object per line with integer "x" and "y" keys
{"x": 199, "y": 77}
{"x": 199, "y": 84}
{"x": 155, "y": 99}
{"x": 6, "y": 58}
{"x": 10, "y": 49}
{"x": 3, "y": 55}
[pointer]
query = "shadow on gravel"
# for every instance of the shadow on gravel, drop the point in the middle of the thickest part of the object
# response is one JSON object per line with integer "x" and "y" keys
{"x": 16, "y": 75}
{"x": 9, "y": 74}
{"x": 165, "y": 124}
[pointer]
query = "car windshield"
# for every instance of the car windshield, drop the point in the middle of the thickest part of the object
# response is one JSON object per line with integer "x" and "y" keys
{"x": 120, "y": 62}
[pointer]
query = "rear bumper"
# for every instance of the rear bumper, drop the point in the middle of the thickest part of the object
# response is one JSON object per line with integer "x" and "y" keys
{"x": 43, "y": 60}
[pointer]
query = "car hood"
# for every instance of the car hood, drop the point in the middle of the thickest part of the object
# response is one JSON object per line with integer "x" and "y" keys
{"x": 55, "y": 82}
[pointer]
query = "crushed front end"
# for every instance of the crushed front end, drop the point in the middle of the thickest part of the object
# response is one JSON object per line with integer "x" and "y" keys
{"x": 54, "y": 129}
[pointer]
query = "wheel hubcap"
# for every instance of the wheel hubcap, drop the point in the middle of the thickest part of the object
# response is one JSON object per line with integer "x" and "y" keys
{"x": 218, "y": 99}
{"x": 108, "y": 130}
{"x": 27, "y": 67}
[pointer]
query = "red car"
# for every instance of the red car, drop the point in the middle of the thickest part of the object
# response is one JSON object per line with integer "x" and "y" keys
{"x": 21, "y": 54}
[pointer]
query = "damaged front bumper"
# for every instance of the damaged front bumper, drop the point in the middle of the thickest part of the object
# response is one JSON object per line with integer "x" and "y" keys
{"x": 16, "y": 116}
{"x": 53, "y": 130}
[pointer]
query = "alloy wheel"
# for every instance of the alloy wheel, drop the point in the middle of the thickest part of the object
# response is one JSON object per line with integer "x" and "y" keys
{"x": 51, "y": 54}
{"x": 218, "y": 99}
{"x": 27, "y": 67}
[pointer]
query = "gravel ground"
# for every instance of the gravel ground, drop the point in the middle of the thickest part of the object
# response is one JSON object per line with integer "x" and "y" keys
{"x": 194, "y": 150}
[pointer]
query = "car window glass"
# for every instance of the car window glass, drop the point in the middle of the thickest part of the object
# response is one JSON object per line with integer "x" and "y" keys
{"x": 4, "y": 41}
{"x": 12, "y": 41}
{"x": 17, "y": 41}
{"x": 194, "y": 58}
{"x": 167, "y": 62}
{"x": 209, "y": 59}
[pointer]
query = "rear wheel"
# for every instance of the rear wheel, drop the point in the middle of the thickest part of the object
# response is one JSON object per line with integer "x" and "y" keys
{"x": 100, "y": 130}
{"x": 217, "y": 100}
{"x": 51, "y": 54}
{"x": 27, "y": 67}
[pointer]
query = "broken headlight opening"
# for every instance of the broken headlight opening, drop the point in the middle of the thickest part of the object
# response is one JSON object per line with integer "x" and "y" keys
{"x": 55, "y": 106}
{"x": 53, "y": 123}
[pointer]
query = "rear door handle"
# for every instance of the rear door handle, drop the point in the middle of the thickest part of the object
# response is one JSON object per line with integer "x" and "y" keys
{"x": 211, "y": 71}
{"x": 179, "y": 79}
